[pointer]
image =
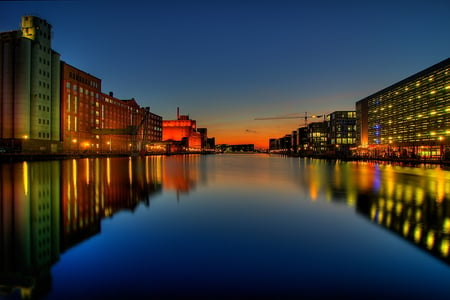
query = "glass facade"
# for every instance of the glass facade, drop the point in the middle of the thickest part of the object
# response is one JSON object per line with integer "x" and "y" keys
{"x": 412, "y": 116}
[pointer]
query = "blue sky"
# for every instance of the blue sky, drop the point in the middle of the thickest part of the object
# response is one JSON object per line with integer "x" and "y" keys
{"x": 227, "y": 62}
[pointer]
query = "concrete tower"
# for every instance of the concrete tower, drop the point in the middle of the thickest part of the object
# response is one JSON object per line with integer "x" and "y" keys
{"x": 29, "y": 88}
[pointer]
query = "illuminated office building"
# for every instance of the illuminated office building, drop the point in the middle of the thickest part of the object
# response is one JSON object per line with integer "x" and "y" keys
{"x": 409, "y": 118}
{"x": 29, "y": 89}
{"x": 341, "y": 132}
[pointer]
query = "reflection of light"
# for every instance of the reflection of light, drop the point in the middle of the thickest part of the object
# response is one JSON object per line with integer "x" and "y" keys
{"x": 406, "y": 228}
{"x": 388, "y": 220}
{"x": 373, "y": 212}
{"x": 417, "y": 234}
{"x": 389, "y": 204}
{"x": 419, "y": 195}
{"x": 430, "y": 240}
{"x": 445, "y": 247}
{"x": 380, "y": 216}
{"x": 108, "y": 171}
{"x": 74, "y": 177}
{"x": 87, "y": 171}
{"x": 409, "y": 193}
{"x": 398, "y": 208}
{"x": 351, "y": 198}
{"x": 418, "y": 215}
{"x": 446, "y": 225}
{"x": 25, "y": 177}
{"x": 129, "y": 170}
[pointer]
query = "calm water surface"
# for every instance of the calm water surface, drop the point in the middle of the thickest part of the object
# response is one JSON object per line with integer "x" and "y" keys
{"x": 223, "y": 226}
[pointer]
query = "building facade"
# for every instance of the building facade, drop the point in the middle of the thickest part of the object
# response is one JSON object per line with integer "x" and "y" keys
{"x": 183, "y": 134}
{"x": 341, "y": 132}
{"x": 81, "y": 109}
{"x": 29, "y": 89}
{"x": 93, "y": 121}
{"x": 410, "y": 118}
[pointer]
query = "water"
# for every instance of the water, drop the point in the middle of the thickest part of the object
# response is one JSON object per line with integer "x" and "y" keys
{"x": 223, "y": 226}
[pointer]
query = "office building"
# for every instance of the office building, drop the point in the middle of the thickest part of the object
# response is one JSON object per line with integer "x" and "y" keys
{"x": 341, "y": 132}
{"x": 410, "y": 118}
{"x": 29, "y": 89}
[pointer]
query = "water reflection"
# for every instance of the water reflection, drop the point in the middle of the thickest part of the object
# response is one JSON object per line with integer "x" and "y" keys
{"x": 412, "y": 202}
{"x": 47, "y": 208}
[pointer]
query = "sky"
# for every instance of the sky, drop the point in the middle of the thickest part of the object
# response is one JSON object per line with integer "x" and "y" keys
{"x": 225, "y": 63}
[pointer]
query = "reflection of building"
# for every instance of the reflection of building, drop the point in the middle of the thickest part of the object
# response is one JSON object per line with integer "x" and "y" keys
{"x": 48, "y": 207}
{"x": 29, "y": 92}
{"x": 30, "y": 222}
{"x": 180, "y": 173}
{"x": 415, "y": 217}
{"x": 409, "y": 118}
{"x": 100, "y": 187}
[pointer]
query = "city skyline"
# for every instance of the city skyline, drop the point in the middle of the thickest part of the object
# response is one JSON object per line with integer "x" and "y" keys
{"x": 225, "y": 63}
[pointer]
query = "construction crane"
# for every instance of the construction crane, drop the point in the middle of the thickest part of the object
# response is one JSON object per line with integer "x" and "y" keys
{"x": 306, "y": 117}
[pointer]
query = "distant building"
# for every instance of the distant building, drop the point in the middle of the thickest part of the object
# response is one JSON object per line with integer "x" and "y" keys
{"x": 318, "y": 137}
{"x": 30, "y": 90}
{"x": 236, "y": 148}
{"x": 341, "y": 132}
{"x": 408, "y": 118}
{"x": 183, "y": 131}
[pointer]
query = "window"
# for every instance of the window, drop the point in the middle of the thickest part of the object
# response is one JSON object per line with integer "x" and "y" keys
{"x": 68, "y": 103}
{"x": 68, "y": 85}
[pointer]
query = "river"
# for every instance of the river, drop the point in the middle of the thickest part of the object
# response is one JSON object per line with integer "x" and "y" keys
{"x": 223, "y": 226}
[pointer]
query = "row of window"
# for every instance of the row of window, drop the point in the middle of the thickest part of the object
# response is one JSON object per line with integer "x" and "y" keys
{"x": 44, "y": 61}
{"x": 84, "y": 80}
{"x": 43, "y": 84}
{"x": 44, "y": 73}
{"x": 44, "y": 108}
{"x": 43, "y": 135}
{"x": 44, "y": 121}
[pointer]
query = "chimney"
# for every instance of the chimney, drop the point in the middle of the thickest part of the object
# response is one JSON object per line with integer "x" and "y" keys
{"x": 178, "y": 113}
{"x": 111, "y": 94}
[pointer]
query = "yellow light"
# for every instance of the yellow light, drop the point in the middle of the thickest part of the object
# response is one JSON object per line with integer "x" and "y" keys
{"x": 74, "y": 140}
{"x": 447, "y": 87}
{"x": 25, "y": 137}
{"x": 419, "y": 115}
{"x": 432, "y": 113}
{"x": 417, "y": 234}
{"x": 441, "y": 138}
{"x": 445, "y": 247}
{"x": 430, "y": 240}
{"x": 25, "y": 178}
{"x": 433, "y": 92}
{"x": 433, "y": 133}
{"x": 446, "y": 225}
